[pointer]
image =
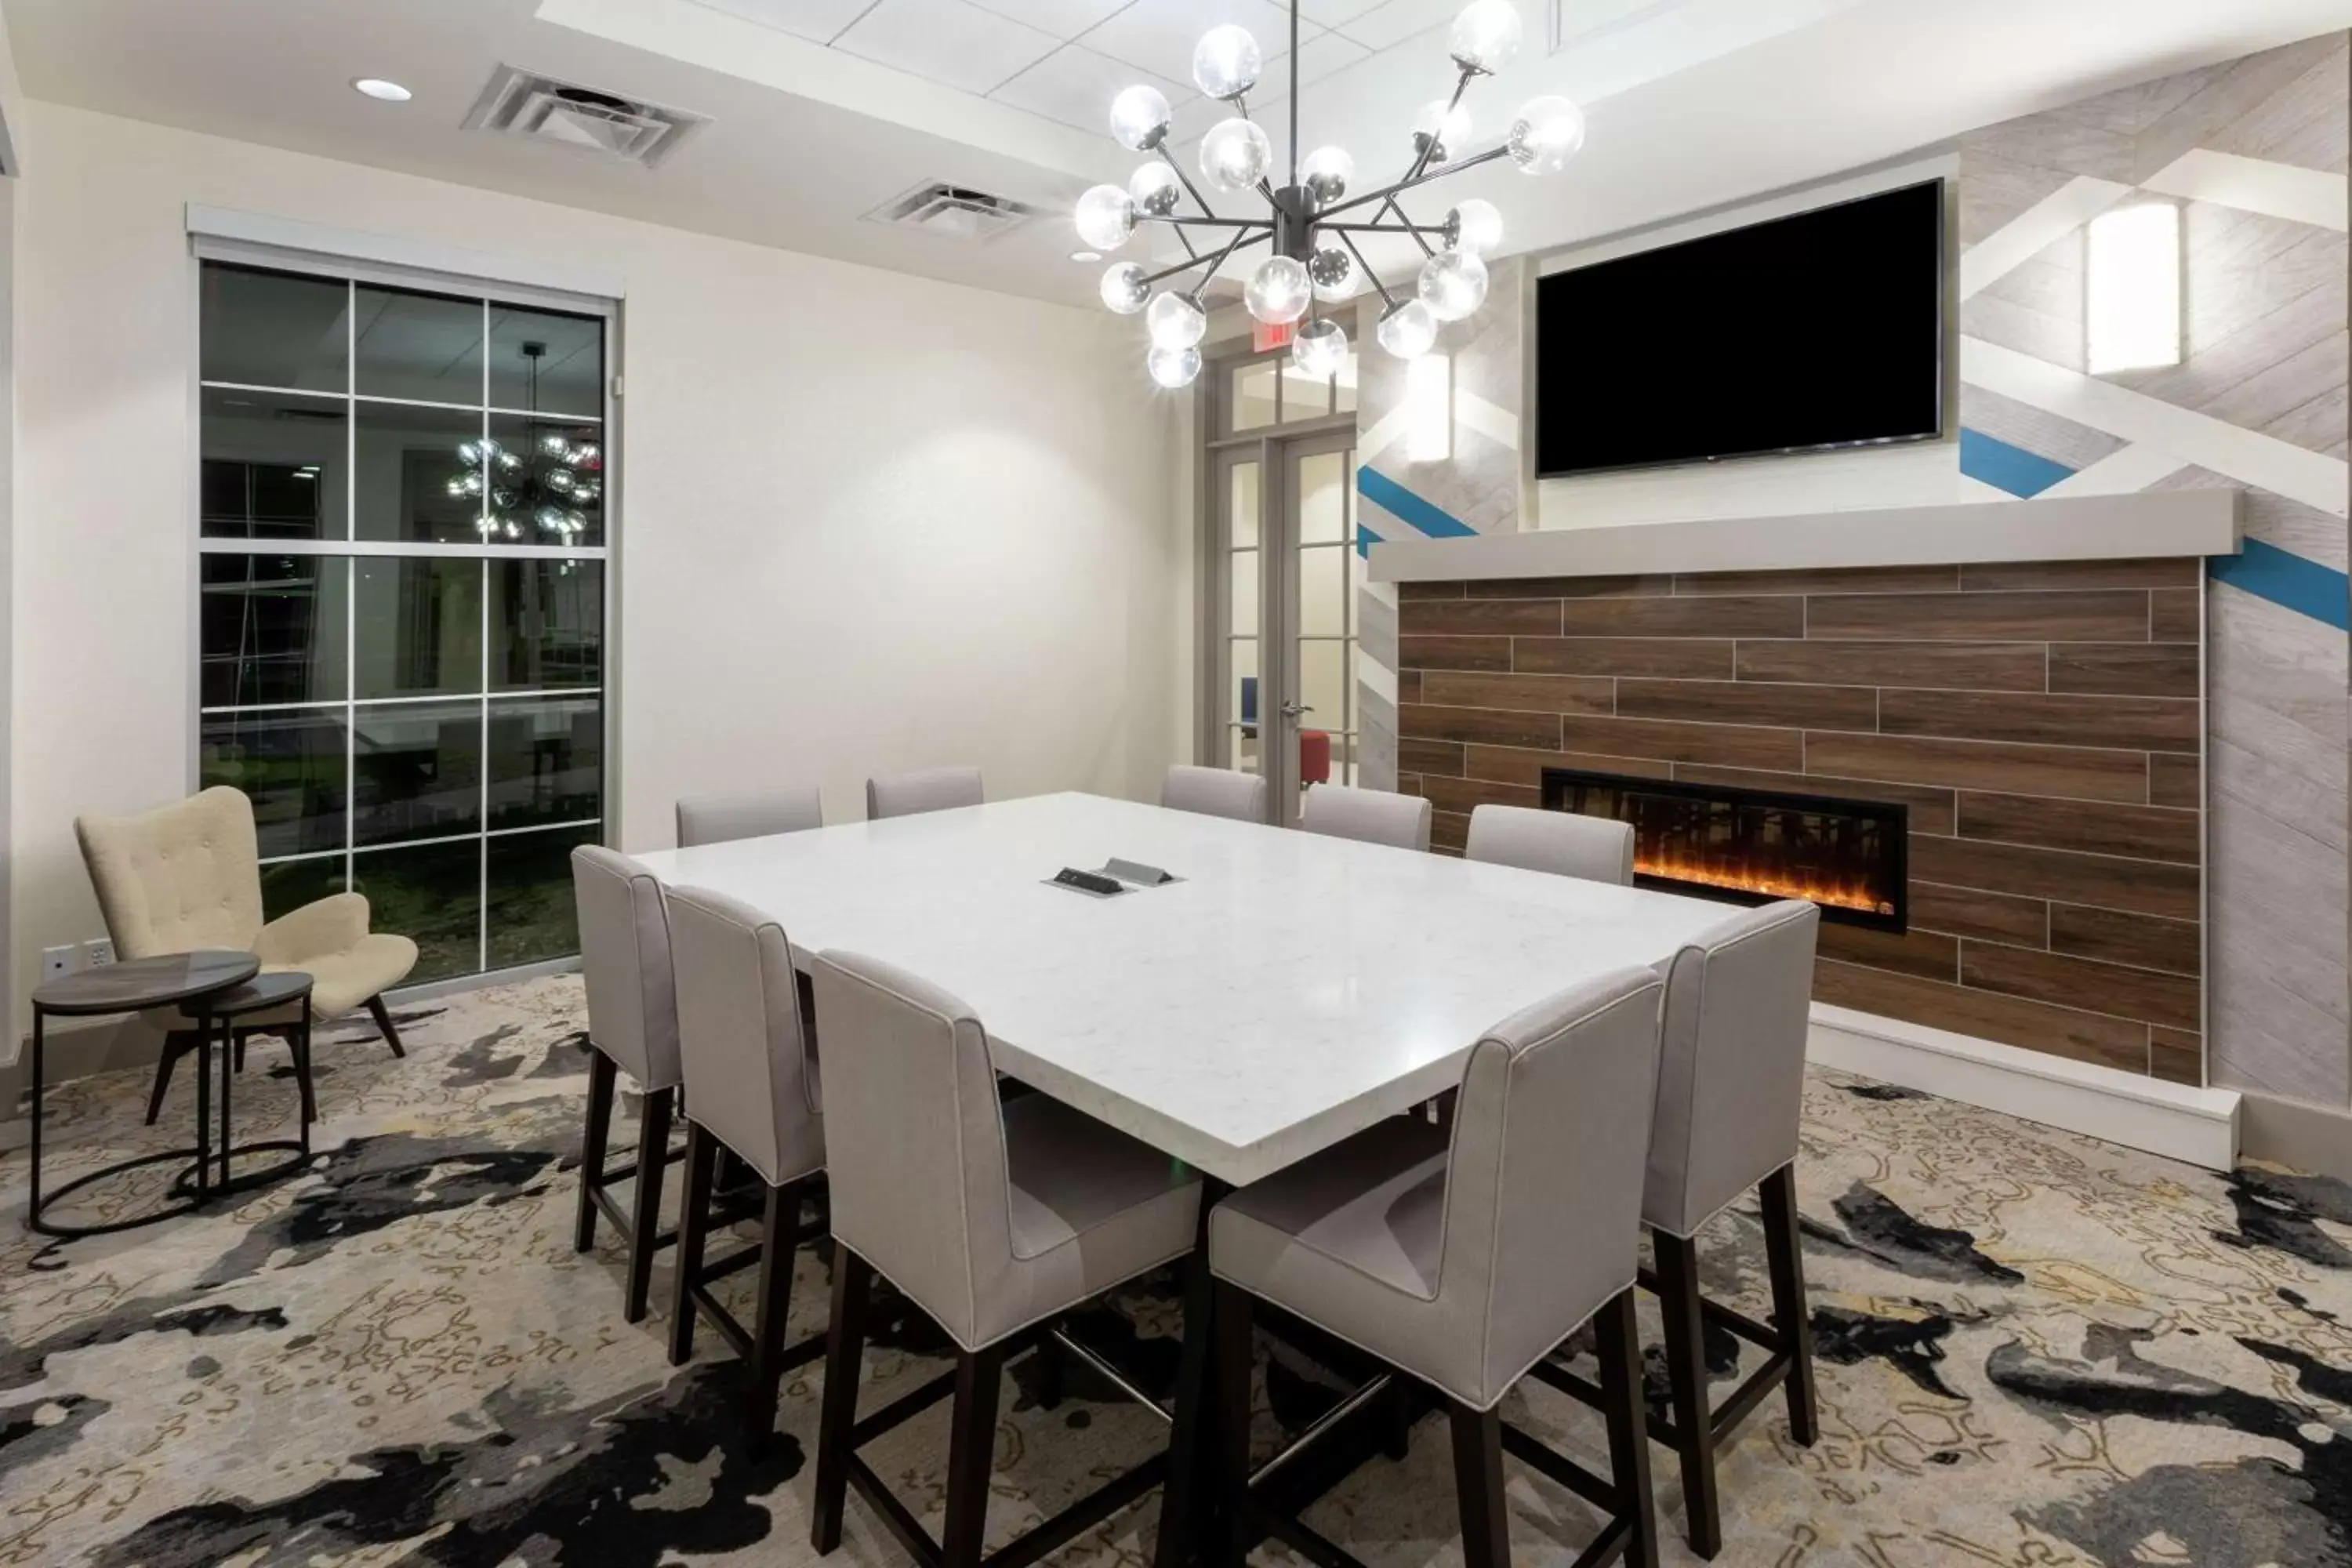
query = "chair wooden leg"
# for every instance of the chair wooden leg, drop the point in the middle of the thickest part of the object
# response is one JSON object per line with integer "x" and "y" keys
{"x": 1785, "y": 1258}
{"x": 972, "y": 1455}
{"x": 593, "y": 1137}
{"x": 1678, "y": 1304}
{"x": 299, "y": 1038}
{"x": 853, "y": 1284}
{"x": 693, "y": 1236}
{"x": 1479, "y": 1486}
{"x": 1620, "y": 1350}
{"x": 645, "y": 1216}
{"x": 1235, "y": 1360}
{"x": 776, "y": 1255}
{"x": 383, "y": 1016}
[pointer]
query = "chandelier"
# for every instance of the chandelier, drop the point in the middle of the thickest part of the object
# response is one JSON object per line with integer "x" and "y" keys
{"x": 544, "y": 487}
{"x": 1314, "y": 259}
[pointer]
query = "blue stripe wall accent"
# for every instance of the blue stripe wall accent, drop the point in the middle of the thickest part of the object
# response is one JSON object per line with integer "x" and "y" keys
{"x": 2284, "y": 578}
{"x": 1408, "y": 508}
{"x": 1365, "y": 539}
{"x": 2007, "y": 468}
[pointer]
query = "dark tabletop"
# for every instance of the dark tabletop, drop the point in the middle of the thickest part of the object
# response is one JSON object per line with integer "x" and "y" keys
{"x": 138, "y": 983}
{"x": 262, "y": 993}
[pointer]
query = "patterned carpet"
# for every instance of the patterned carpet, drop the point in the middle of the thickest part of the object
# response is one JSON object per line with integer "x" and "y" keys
{"x": 2035, "y": 1349}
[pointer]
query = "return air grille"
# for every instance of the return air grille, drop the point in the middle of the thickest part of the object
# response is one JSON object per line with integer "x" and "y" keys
{"x": 541, "y": 109}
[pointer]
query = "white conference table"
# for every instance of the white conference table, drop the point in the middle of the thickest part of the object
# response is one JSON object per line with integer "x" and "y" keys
{"x": 1290, "y": 990}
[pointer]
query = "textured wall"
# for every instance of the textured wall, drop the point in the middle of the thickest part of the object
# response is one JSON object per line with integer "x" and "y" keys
{"x": 2255, "y": 152}
{"x": 2039, "y": 723}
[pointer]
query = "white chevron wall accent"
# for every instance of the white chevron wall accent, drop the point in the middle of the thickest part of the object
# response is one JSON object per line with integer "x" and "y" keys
{"x": 2314, "y": 197}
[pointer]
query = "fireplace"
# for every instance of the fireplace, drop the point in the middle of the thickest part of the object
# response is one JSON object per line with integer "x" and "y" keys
{"x": 1752, "y": 845}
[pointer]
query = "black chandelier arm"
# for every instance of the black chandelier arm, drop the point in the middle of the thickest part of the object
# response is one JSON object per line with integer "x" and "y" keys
{"x": 1183, "y": 223}
{"x": 1185, "y": 180}
{"x": 1407, "y": 227}
{"x": 1386, "y": 297}
{"x": 1245, "y": 235}
{"x": 1393, "y": 192}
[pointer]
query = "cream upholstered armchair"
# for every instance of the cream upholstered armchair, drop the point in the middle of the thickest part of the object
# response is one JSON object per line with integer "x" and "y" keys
{"x": 188, "y": 876}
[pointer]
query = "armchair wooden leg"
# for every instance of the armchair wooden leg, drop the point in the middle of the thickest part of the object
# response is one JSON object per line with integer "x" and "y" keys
{"x": 1785, "y": 1258}
{"x": 653, "y": 1158}
{"x": 1678, "y": 1304}
{"x": 383, "y": 1016}
{"x": 693, "y": 1234}
{"x": 971, "y": 1454}
{"x": 598, "y": 1131}
{"x": 853, "y": 1281}
{"x": 1478, "y": 1485}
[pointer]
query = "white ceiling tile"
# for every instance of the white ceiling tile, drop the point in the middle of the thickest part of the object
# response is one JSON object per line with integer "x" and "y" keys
{"x": 1386, "y": 26}
{"x": 1317, "y": 58}
{"x": 822, "y": 20}
{"x": 1332, "y": 13}
{"x": 1063, "y": 18}
{"x": 1159, "y": 34}
{"x": 946, "y": 41}
{"x": 1075, "y": 85}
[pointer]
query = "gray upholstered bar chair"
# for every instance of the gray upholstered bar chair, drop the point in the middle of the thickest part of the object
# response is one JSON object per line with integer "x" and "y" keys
{"x": 1214, "y": 792}
{"x": 1564, "y": 842}
{"x": 749, "y": 1055}
{"x": 1461, "y": 1260}
{"x": 721, "y": 818}
{"x": 1373, "y": 816}
{"x": 996, "y": 1218}
{"x": 933, "y": 789}
{"x": 624, "y": 959}
{"x": 1731, "y": 1090}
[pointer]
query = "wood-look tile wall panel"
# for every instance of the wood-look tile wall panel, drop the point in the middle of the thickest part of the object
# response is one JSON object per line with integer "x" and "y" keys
{"x": 2041, "y": 723}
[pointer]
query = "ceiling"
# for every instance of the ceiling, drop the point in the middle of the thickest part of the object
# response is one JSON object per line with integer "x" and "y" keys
{"x": 821, "y": 110}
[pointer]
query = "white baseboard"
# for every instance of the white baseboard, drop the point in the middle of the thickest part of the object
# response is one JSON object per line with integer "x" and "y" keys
{"x": 2196, "y": 1125}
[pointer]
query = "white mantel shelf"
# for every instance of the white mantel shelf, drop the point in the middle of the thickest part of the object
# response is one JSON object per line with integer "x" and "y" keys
{"x": 2082, "y": 528}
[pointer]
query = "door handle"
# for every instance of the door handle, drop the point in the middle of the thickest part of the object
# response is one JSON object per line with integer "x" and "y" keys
{"x": 1292, "y": 710}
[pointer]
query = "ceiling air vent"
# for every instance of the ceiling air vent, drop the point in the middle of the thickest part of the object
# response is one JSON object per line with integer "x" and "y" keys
{"x": 953, "y": 212}
{"x": 541, "y": 109}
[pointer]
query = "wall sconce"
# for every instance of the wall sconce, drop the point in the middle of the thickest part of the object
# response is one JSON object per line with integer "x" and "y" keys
{"x": 1429, "y": 408}
{"x": 2133, "y": 288}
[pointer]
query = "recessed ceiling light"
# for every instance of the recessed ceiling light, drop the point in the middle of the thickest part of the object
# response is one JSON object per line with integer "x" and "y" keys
{"x": 375, "y": 86}
{"x": 1086, "y": 256}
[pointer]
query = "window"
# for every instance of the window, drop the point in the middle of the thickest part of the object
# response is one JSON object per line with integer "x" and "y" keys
{"x": 402, "y": 601}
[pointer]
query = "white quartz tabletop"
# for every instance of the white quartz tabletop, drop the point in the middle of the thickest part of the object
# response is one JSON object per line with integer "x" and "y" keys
{"x": 1291, "y": 990}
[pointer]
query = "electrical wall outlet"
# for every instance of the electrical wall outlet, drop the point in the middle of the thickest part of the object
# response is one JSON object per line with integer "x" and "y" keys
{"x": 97, "y": 951}
{"x": 59, "y": 962}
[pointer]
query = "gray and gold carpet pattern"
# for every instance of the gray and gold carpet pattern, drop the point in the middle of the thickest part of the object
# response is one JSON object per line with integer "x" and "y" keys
{"x": 2035, "y": 1350}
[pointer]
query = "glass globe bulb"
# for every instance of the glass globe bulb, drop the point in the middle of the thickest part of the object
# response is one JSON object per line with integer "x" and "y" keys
{"x": 1449, "y": 128}
{"x": 1327, "y": 172}
{"x": 1226, "y": 61}
{"x": 1546, "y": 134}
{"x": 1320, "y": 350}
{"x": 1124, "y": 290}
{"x": 1172, "y": 368}
{"x": 1174, "y": 322}
{"x": 1106, "y": 217}
{"x": 1139, "y": 118}
{"x": 1332, "y": 271}
{"x": 1235, "y": 154}
{"x": 1476, "y": 226}
{"x": 1155, "y": 189}
{"x": 1452, "y": 284}
{"x": 1278, "y": 291}
{"x": 1408, "y": 330}
{"x": 1485, "y": 35}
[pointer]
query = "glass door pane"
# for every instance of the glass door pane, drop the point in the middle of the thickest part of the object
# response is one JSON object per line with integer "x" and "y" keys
{"x": 1240, "y": 523}
{"x": 1317, "y": 529}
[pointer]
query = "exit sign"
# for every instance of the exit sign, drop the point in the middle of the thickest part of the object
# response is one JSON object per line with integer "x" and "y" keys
{"x": 1266, "y": 335}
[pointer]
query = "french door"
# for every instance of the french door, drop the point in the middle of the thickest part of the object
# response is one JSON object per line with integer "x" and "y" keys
{"x": 1284, "y": 596}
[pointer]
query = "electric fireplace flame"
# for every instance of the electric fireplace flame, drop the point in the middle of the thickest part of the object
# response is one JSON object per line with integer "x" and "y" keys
{"x": 1749, "y": 846}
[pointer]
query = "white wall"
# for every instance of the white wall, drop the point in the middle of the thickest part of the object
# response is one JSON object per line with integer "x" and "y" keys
{"x": 868, "y": 522}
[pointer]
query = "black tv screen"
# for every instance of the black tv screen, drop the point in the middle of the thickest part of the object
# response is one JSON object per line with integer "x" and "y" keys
{"x": 1822, "y": 330}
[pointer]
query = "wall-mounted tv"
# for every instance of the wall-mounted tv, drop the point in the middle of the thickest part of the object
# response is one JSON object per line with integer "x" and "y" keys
{"x": 1820, "y": 330}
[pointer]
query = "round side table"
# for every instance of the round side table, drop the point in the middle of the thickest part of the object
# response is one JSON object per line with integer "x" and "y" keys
{"x": 222, "y": 1010}
{"x": 130, "y": 986}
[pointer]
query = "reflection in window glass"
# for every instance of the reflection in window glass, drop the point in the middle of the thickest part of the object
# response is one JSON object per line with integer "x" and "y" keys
{"x": 546, "y": 760}
{"x": 418, "y": 474}
{"x": 431, "y": 894}
{"x": 419, "y": 632}
{"x": 287, "y": 884}
{"x": 416, "y": 770}
{"x": 547, "y": 624}
{"x": 1255, "y": 391}
{"x": 531, "y": 915}
{"x": 549, "y": 483}
{"x": 424, "y": 347}
{"x": 290, "y": 763}
{"x": 272, "y": 629}
{"x": 274, "y": 328}
{"x": 272, "y": 467}
{"x": 541, "y": 362}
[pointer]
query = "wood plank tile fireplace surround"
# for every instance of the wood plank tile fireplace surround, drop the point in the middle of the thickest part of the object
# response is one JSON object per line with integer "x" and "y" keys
{"x": 2041, "y": 721}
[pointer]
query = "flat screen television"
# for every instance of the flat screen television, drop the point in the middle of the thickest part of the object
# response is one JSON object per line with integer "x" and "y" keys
{"x": 1822, "y": 330}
